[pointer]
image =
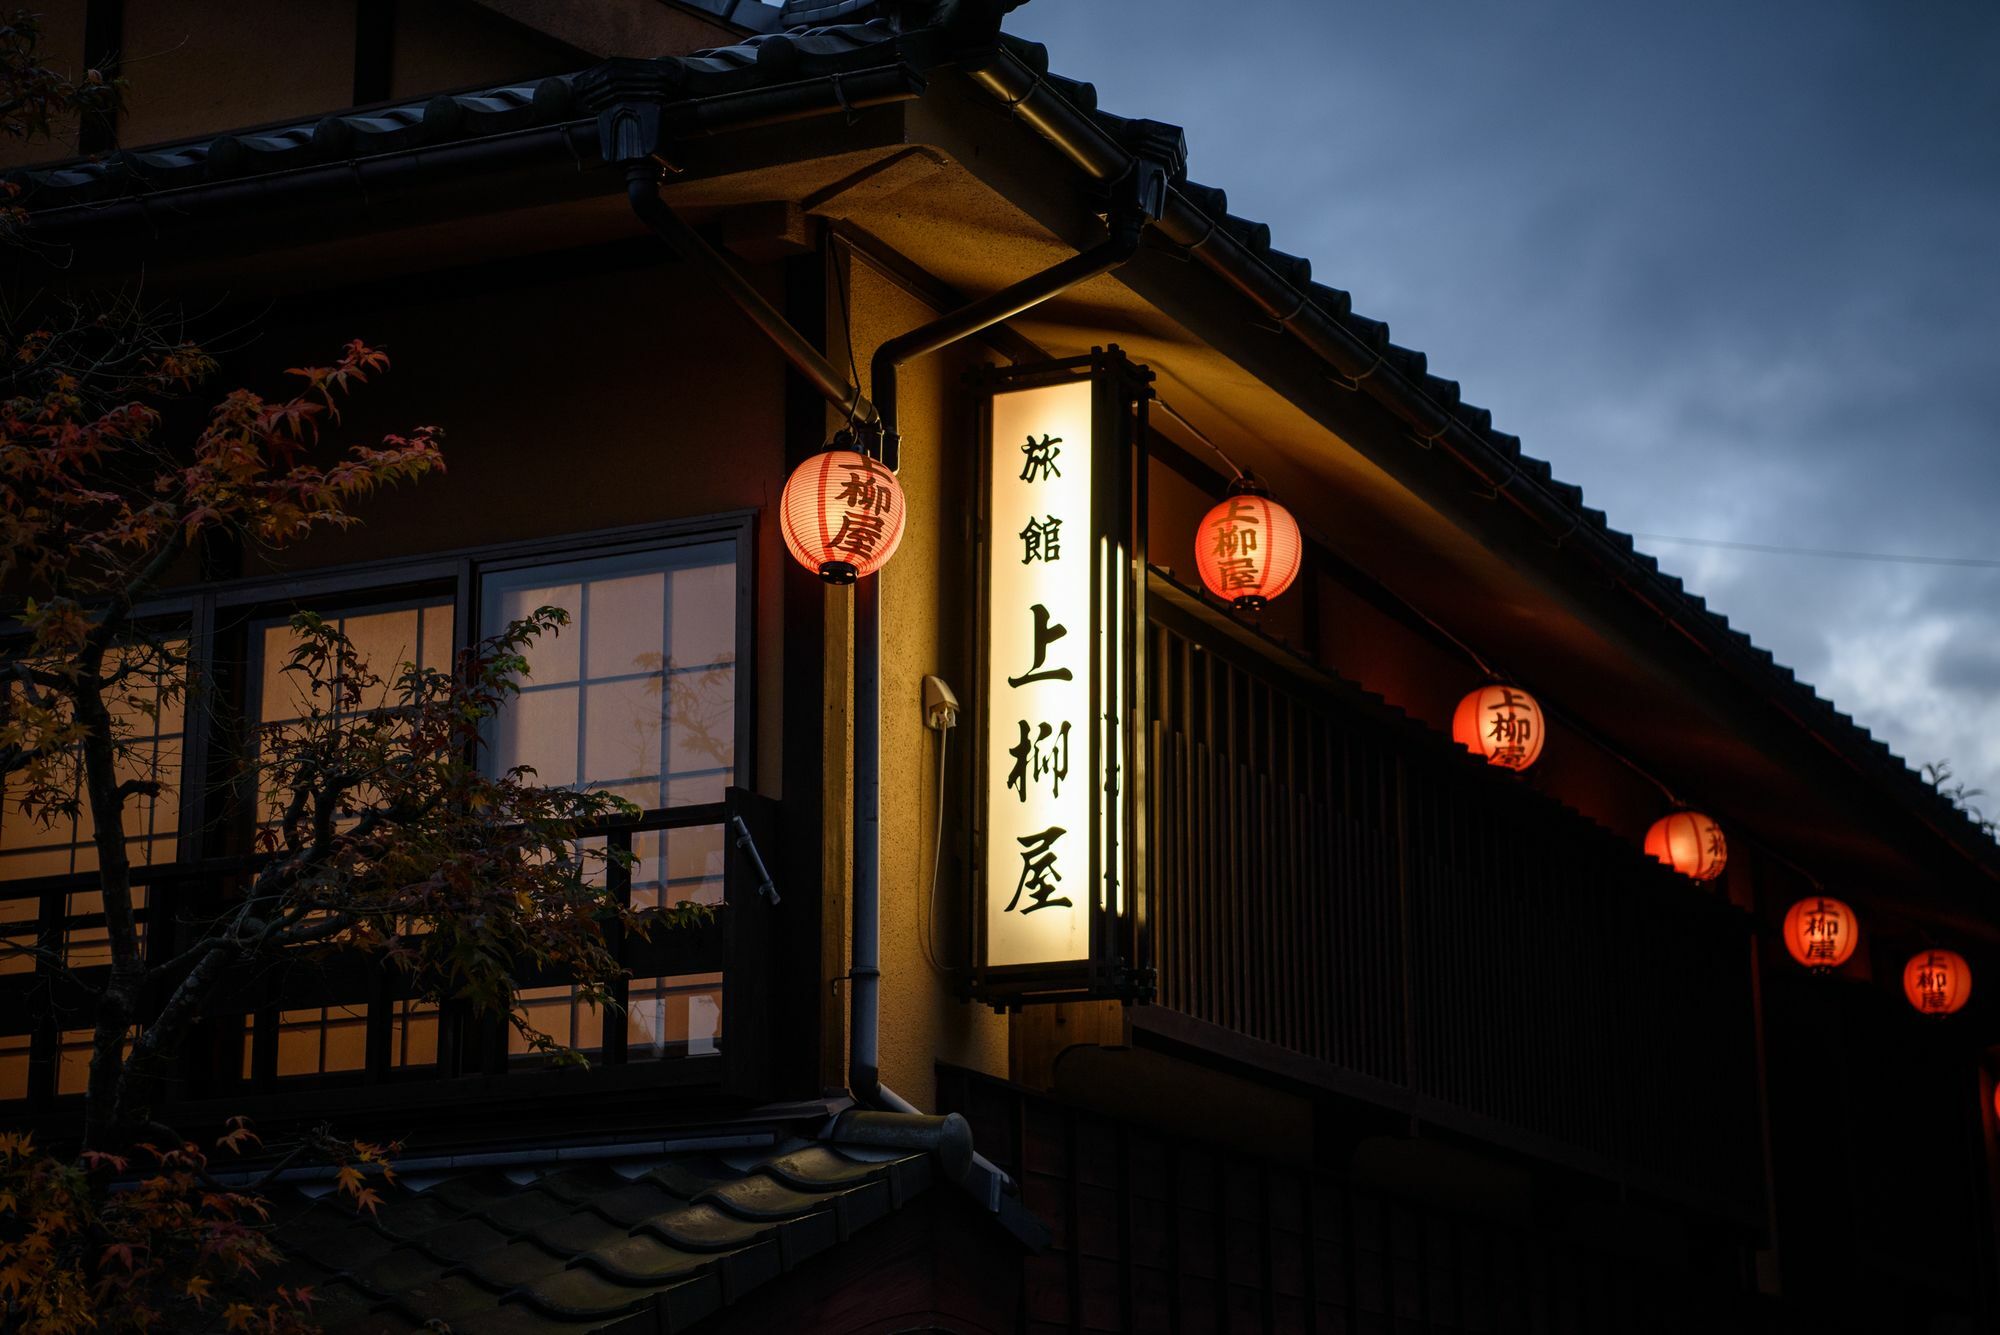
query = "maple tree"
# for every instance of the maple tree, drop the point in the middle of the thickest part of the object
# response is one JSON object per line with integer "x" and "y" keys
{"x": 379, "y": 825}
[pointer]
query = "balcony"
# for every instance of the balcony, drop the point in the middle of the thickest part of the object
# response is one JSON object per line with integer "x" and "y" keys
{"x": 1342, "y": 897}
{"x": 343, "y": 1037}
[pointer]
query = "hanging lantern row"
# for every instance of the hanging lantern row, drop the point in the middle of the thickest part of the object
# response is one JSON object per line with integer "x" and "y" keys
{"x": 1822, "y": 932}
{"x": 841, "y": 515}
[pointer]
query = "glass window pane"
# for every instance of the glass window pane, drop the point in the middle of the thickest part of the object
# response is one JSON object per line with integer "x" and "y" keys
{"x": 552, "y": 659}
{"x": 642, "y": 682}
{"x": 627, "y": 624}
{"x": 556, "y": 1012}
{"x": 383, "y": 640}
{"x": 322, "y": 1040}
{"x": 148, "y": 721}
{"x": 73, "y": 1053}
{"x": 413, "y": 1039}
{"x": 89, "y": 946}
{"x": 17, "y": 933}
{"x": 14, "y": 1065}
{"x": 673, "y": 1017}
{"x": 538, "y": 729}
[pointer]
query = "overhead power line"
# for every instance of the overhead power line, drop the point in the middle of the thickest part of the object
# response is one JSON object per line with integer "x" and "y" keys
{"x": 1971, "y": 562}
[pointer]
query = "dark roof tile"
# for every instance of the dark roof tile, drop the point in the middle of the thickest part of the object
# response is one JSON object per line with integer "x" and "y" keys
{"x": 1212, "y": 200}
{"x": 588, "y": 1247}
{"x": 1081, "y": 95}
{"x": 818, "y": 1168}
{"x": 1407, "y": 360}
{"x": 1445, "y": 392}
{"x": 524, "y": 1212}
{"x": 1372, "y": 332}
{"x": 583, "y": 1292}
{"x": 1294, "y": 269}
{"x": 580, "y": 1232}
{"x": 516, "y": 1264}
{"x": 700, "y": 1228}
{"x": 455, "y": 1300}
{"x": 760, "y": 1198}
{"x": 396, "y": 1271}
{"x": 462, "y": 1239}
{"x": 640, "y": 1258}
{"x": 1253, "y": 234}
{"x": 1331, "y": 300}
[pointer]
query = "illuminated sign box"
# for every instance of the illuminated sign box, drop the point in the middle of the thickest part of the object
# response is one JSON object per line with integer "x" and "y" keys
{"x": 1059, "y": 794}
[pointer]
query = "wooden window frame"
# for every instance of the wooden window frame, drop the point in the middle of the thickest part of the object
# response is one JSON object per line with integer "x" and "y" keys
{"x": 216, "y": 611}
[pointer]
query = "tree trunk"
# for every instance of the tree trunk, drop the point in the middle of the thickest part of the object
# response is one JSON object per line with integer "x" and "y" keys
{"x": 119, "y": 1001}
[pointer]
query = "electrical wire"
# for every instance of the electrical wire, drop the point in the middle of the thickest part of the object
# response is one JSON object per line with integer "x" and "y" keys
{"x": 928, "y": 927}
{"x": 847, "y": 337}
{"x": 1196, "y": 432}
{"x": 1972, "y": 562}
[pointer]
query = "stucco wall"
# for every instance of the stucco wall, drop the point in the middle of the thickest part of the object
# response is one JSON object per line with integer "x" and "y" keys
{"x": 569, "y": 404}
{"x": 927, "y": 600}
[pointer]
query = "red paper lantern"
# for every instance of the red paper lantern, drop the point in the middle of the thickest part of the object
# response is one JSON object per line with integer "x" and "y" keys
{"x": 1937, "y": 982}
{"x": 1821, "y": 933}
{"x": 1690, "y": 843}
{"x": 841, "y": 515}
{"x": 1248, "y": 548}
{"x": 1502, "y": 723}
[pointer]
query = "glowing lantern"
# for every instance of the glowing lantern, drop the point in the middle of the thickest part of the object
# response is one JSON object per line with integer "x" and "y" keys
{"x": 1502, "y": 723}
{"x": 1821, "y": 933}
{"x": 1937, "y": 982}
{"x": 1690, "y": 843}
{"x": 841, "y": 515}
{"x": 1248, "y": 548}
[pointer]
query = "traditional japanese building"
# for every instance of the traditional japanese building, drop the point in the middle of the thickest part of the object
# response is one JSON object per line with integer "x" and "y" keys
{"x": 1255, "y": 999}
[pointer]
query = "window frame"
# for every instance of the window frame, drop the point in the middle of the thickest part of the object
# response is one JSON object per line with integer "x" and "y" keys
{"x": 216, "y": 814}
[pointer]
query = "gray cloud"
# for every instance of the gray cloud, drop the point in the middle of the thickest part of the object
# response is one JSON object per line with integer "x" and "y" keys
{"x": 1729, "y": 267}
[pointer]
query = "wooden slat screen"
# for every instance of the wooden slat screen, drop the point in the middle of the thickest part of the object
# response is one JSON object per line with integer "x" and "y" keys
{"x": 1333, "y": 879}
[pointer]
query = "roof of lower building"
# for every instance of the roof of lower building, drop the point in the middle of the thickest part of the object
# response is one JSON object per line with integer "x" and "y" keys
{"x": 668, "y": 1238}
{"x": 831, "y": 39}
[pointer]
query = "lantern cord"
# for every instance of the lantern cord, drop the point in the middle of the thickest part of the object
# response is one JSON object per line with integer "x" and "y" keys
{"x": 1441, "y": 632}
{"x": 929, "y": 923}
{"x": 1196, "y": 432}
{"x": 846, "y": 332}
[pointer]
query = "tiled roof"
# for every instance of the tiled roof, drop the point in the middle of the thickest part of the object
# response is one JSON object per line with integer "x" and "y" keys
{"x": 802, "y": 53}
{"x": 1443, "y": 406}
{"x": 664, "y": 1240}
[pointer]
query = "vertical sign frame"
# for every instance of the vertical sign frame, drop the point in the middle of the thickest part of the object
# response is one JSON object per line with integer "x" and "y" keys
{"x": 1097, "y": 857}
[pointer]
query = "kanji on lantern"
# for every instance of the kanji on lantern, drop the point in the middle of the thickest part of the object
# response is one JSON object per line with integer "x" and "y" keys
{"x": 1690, "y": 843}
{"x": 841, "y": 515}
{"x": 1501, "y": 723}
{"x": 1820, "y": 933}
{"x": 1248, "y": 548}
{"x": 1937, "y": 982}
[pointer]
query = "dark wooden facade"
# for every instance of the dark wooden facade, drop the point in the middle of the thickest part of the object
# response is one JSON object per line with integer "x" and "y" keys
{"x": 1430, "y": 1047}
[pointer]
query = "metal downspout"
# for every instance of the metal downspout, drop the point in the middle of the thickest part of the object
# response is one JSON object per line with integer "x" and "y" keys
{"x": 864, "y": 1075}
{"x": 1141, "y": 202}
